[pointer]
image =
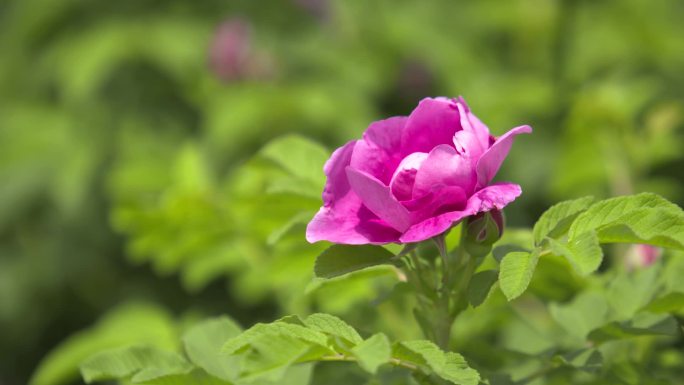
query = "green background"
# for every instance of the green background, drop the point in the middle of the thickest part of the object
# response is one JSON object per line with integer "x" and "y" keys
{"x": 126, "y": 159}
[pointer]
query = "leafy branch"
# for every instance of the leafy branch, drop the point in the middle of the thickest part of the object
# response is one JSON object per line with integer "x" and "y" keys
{"x": 217, "y": 352}
{"x": 575, "y": 229}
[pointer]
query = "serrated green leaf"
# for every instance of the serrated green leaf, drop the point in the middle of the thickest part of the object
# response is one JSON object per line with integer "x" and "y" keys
{"x": 338, "y": 260}
{"x": 271, "y": 357}
{"x": 658, "y": 227}
{"x": 609, "y": 210}
{"x": 422, "y": 353}
{"x": 583, "y": 253}
{"x": 430, "y": 358}
{"x": 516, "y": 272}
{"x": 373, "y": 352}
{"x": 203, "y": 344}
{"x": 557, "y": 219}
{"x": 244, "y": 339}
{"x": 329, "y": 324}
{"x": 274, "y": 329}
{"x": 480, "y": 286}
{"x": 457, "y": 370}
{"x": 297, "y": 331}
{"x": 125, "y": 362}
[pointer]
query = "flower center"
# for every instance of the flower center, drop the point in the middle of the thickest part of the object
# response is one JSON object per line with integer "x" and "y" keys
{"x": 404, "y": 176}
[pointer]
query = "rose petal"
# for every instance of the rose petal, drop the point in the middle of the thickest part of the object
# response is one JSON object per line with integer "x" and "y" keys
{"x": 433, "y": 122}
{"x": 444, "y": 166}
{"x": 378, "y": 153}
{"x": 433, "y": 226}
{"x": 471, "y": 123}
{"x": 490, "y": 162}
{"x": 336, "y": 185}
{"x": 468, "y": 145}
{"x": 404, "y": 177}
{"x": 386, "y": 133}
{"x": 494, "y": 196}
{"x": 438, "y": 201}
{"x": 378, "y": 199}
{"x": 350, "y": 223}
{"x": 343, "y": 219}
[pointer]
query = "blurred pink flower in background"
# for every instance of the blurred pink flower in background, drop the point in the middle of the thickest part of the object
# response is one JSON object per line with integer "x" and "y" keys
{"x": 232, "y": 55}
{"x": 640, "y": 256}
{"x": 412, "y": 177}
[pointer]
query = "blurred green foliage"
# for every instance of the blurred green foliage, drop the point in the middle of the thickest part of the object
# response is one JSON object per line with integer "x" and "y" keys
{"x": 130, "y": 168}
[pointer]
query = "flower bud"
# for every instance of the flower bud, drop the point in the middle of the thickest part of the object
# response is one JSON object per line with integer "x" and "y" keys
{"x": 482, "y": 231}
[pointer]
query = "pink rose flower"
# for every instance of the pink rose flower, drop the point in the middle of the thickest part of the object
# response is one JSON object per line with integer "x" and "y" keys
{"x": 412, "y": 178}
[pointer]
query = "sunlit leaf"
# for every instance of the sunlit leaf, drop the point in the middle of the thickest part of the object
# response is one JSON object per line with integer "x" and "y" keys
{"x": 275, "y": 329}
{"x": 557, "y": 219}
{"x": 203, "y": 344}
{"x": 421, "y": 352}
{"x": 126, "y": 362}
{"x": 271, "y": 357}
{"x": 373, "y": 352}
{"x": 658, "y": 227}
{"x": 611, "y": 210}
{"x": 516, "y": 272}
{"x": 457, "y": 370}
{"x": 583, "y": 253}
{"x": 329, "y": 324}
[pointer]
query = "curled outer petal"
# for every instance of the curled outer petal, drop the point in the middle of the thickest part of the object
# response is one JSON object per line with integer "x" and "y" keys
{"x": 494, "y": 196}
{"x": 490, "y": 162}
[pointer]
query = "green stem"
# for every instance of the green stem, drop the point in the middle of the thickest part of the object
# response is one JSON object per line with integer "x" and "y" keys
{"x": 415, "y": 275}
{"x": 460, "y": 292}
{"x": 440, "y": 303}
{"x": 443, "y": 316}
